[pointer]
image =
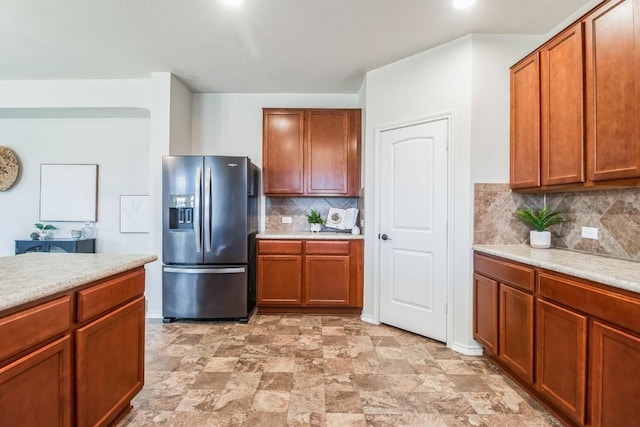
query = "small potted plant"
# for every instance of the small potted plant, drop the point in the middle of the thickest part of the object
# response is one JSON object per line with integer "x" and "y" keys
{"x": 43, "y": 229}
{"x": 316, "y": 221}
{"x": 540, "y": 237}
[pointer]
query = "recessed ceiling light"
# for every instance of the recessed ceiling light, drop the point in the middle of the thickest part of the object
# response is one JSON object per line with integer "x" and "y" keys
{"x": 463, "y": 4}
{"x": 231, "y": 3}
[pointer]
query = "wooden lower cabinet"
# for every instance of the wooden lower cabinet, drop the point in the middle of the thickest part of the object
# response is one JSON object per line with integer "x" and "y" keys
{"x": 585, "y": 340}
{"x": 503, "y": 313}
{"x": 76, "y": 359}
{"x": 326, "y": 280}
{"x": 516, "y": 331}
{"x": 110, "y": 364}
{"x": 313, "y": 276}
{"x": 561, "y": 358}
{"x": 485, "y": 309}
{"x": 35, "y": 390}
{"x": 280, "y": 279}
{"x": 615, "y": 389}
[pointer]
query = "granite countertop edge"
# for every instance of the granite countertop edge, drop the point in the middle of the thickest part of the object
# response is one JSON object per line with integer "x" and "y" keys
{"x": 618, "y": 273}
{"x": 307, "y": 235}
{"x": 30, "y": 277}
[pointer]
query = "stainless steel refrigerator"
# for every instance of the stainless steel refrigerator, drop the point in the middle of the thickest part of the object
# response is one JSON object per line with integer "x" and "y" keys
{"x": 210, "y": 221}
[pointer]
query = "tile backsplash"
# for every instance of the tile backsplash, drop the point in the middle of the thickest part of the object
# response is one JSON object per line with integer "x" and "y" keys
{"x": 298, "y": 208}
{"x": 616, "y": 214}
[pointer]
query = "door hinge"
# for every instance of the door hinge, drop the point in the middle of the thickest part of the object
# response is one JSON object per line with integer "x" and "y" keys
{"x": 446, "y": 308}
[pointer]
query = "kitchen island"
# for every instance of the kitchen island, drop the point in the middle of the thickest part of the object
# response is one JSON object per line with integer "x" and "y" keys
{"x": 72, "y": 334}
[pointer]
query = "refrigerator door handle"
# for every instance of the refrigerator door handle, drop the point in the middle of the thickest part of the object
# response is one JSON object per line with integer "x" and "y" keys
{"x": 207, "y": 211}
{"x": 196, "y": 219}
{"x": 231, "y": 270}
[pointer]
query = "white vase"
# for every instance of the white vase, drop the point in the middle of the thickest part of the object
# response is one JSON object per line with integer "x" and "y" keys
{"x": 315, "y": 228}
{"x": 540, "y": 239}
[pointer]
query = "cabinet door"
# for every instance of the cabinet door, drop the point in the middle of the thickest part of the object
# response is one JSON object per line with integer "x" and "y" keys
{"x": 561, "y": 358}
{"x": 62, "y": 246}
{"x": 562, "y": 100}
{"x": 283, "y": 152}
{"x": 110, "y": 364}
{"x": 326, "y": 280}
{"x": 36, "y": 389}
{"x": 331, "y": 152}
{"x": 615, "y": 389}
{"x": 485, "y": 312}
{"x": 279, "y": 279}
{"x": 516, "y": 331}
{"x": 613, "y": 89}
{"x": 25, "y": 246}
{"x": 525, "y": 123}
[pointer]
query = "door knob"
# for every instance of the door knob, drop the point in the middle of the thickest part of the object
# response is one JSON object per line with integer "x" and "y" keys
{"x": 384, "y": 237}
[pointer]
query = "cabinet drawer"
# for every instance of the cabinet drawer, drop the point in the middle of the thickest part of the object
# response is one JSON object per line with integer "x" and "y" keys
{"x": 608, "y": 305}
{"x": 27, "y": 328}
{"x": 280, "y": 247}
{"x": 513, "y": 274}
{"x": 327, "y": 248}
{"x": 101, "y": 298}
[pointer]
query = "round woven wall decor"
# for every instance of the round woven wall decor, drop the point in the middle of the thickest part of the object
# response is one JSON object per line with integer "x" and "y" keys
{"x": 8, "y": 168}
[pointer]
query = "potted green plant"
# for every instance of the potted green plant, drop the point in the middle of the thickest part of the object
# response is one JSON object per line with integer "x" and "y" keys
{"x": 540, "y": 221}
{"x": 316, "y": 220}
{"x": 43, "y": 229}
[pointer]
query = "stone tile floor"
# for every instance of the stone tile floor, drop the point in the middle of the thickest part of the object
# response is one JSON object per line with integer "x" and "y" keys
{"x": 318, "y": 371}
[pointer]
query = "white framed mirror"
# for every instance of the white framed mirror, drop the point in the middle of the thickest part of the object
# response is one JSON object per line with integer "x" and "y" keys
{"x": 68, "y": 192}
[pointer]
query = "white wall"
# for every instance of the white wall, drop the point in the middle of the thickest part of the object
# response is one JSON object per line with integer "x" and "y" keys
{"x": 180, "y": 117}
{"x": 434, "y": 82}
{"x": 122, "y": 125}
{"x": 231, "y": 124}
{"x": 468, "y": 77}
{"x": 115, "y": 144}
{"x": 492, "y": 55}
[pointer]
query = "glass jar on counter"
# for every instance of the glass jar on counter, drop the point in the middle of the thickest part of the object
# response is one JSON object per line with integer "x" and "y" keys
{"x": 88, "y": 231}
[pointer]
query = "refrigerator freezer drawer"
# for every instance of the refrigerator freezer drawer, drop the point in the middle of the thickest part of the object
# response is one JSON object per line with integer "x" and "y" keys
{"x": 204, "y": 292}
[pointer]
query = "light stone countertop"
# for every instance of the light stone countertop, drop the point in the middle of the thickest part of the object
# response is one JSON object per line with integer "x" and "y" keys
{"x": 323, "y": 235}
{"x": 614, "y": 272}
{"x": 28, "y": 277}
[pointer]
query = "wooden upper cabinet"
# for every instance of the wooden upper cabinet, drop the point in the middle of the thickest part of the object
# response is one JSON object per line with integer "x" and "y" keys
{"x": 311, "y": 152}
{"x": 562, "y": 122}
{"x": 327, "y": 156}
{"x": 525, "y": 123}
{"x": 613, "y": 90}
{"x": 283, "y": 151}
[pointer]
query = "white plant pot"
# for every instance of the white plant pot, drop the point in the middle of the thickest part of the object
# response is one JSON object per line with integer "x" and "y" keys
{"x": 540, "y": 239}
{"x": 315, "y": 228}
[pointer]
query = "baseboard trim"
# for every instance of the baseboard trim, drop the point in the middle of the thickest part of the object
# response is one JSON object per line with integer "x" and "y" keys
{"x": 368, "y": 319}
{"x": 466, "y": 350}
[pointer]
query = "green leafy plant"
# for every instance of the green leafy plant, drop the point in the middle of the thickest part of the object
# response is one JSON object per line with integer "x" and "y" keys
{"x": 541, "y": 220}
{"x": 45, "y": 227}
{"x": 315, "y": 218}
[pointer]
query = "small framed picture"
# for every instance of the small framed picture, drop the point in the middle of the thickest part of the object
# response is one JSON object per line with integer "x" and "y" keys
{"x": 134, "y": 214}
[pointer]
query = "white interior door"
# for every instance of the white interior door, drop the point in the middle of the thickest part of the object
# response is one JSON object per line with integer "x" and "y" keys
{"x": 413, "y": 228}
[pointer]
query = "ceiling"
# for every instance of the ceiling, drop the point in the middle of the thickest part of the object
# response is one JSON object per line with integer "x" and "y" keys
{"x": 277, "y": 46}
